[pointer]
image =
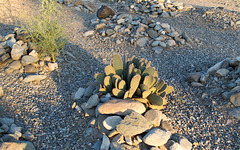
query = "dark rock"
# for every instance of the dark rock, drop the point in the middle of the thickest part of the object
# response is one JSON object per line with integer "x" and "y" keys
{"x": 105, "y": 12}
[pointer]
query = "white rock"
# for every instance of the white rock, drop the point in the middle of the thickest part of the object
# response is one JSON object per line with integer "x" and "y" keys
{"x": 34, "y": 78}
{"x": 157, "y": 137}
{"x": 88, "y": 33}
{"x": 52, "y": 66}
{"x": 17, "y": 51}
{"x": 27, "y": 59}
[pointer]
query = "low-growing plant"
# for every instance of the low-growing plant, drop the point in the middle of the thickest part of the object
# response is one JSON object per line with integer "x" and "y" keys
{"x": 134, "y": 79}
{"x": 45, "y": 30}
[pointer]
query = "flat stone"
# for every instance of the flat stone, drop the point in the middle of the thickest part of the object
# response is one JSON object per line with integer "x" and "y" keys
{"x": 235, "y": 99}
{"x": 105, "y": 12}
{"x": 167, "y": 126}
{"x": 185, "y": 144}
{"x": 15, "y": 65}
{"x": 176, "y": 146}
{"x": 89, "y": 91}
{"x": 156, "y": 137}
{"x": 111, "y": 122}
{"x": 110, "y": 32}
{"x": 88, "y": 112}
{"x": 7, "y": 121}
{"x": 164, "y": 15}
{"x": 31, "y": 78}
{"x": 142, "y": 41}
{"x": 88, "y": 33}
{"x": 8, "y": 70}
{"x": 4, "y": 57}
{"x": 235, "y": 112}
{"x": 186, "y": 37}
{"x": 52, "y": 66}
{"x": 154, "y": 116}
{"x": 133, "y": 124}
{"x": 17, "y": 51}
{"x": 153, "y": 34}
{"x": 121, "y": 107}
{"x": 171, "y": 43}
{"x": 118, "y": 138}
{"x": 92, "y": 101}
{"x": 193, "y": 77}
{"x": 196, "y": 84}
{"x": 28, "y": 136}
{"x": 79, "y": 93}
{"x": 97, "y": 145}
{"x": 223, "y": 64}
{"x": 27, "y": 59}
{"x": 100, "y": 26}
{"x": 2, "y": 51}
{"x": 165, "y": 25}
{"x": 222, "y": 72}
{"x": 30, "y": 69}
{"x": 23, "y": 145}
{"x": 13, "y": 129}
{"x": 105, "y": 143}
{"x": 155, "y": 43}
{"x": 11, "y": 42}
{"x": 34, "y": 54}
{"x": 10, "y": 138}
{"x": 157, "y": 49}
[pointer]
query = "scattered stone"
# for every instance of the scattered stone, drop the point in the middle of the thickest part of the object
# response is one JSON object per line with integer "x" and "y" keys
{"x": 133, "y": 124}
{"x": 17, "y": 51}
{"x": 88, "y": 112}
{"x": 4, "y": 57}
{"x": 105, "y": 143}
{"x": 1, "y": 94}
{"x": 105, "y": 12}
{"x": 157, "y": 49}
{"x": 30, "y": 69}
{"x": 100, "y": 26}
{"x": 196, "y": 84}
{"x": 7, "y": 121}
{"x": 156, "y": 137}
{"x": 235, "y": 112}
{"x": 121, "y": 107}
{"x": 92, "y": 101}
{"x": 235, "y": 99}
{"x": 28, "y": 136}
{"x": 222, "y": 72}
{"x": 164, "y": 15}
{"x": 142, "y": 41}
{"x": 185, "y": 144}
{"x": 10, "y": 138}
{"x": 171, "y": 43}
{"x": 176, "y": 146}
{"x": 34, "y": 54}
{"x": 89, "y": 91}
{"x": 97, "y": 145}
{"x": 16, "y": 65}
{"x": 31, "y": 78}
{"x": 89, "y": 33}
{"x": 223, "y": 64}
{"x": 193, "y": 77}
{"x": 118, "y": 138}
{"x": 167, "y": 126}
{"x": 153, "y": 34}
{"x": 154, "y": 117}
{"x": 23, "y": 145}
{"x": 52, "y": 66}
{"x": 111, "y": 122}
{"x": 27, "y": 59}
{"x": 78, "y": 95}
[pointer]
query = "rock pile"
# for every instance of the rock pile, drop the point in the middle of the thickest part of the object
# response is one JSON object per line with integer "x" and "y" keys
{"x": 81, "y": 5}
{"x": 12, "y": 136}
{"x": 156, "y": 8}
{"x": 140, "y": 31}
{"x": 221, "y": 80}
{"x": 18, "y": 53}
{"x": 126, "y": 124}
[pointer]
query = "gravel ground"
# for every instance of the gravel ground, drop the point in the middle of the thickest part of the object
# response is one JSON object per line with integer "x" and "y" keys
{"x": 45, "y": 107}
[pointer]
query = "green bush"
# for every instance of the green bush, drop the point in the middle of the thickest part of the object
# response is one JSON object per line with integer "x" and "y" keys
{"x": 45, "y": 29}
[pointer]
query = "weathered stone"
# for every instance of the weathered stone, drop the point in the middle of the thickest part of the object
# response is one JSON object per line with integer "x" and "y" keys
{"x": 105, "y": 143}
{"x": 88, "y": 33}
{"x": 193, "y": 77}
{"x": 111, "y": 122}
{"x": 118, "y": 138}
{"x": 17, "y": 51}
{"x": 52, "y": 66}
{"x": 156, "y": 137}
{"x": 28, "y": 136}
{"x": 154, "y": 116}
{"x": 88, "y": 112}
{"x": 167, "y": 126}
{"x": 34, "y": 78}
{"x": 13, "y": 129}
{"x": 157, "y": 49}
{"x": 235, "y": 99}
{"x": 23, "y": 145}
{"x": 133, "y": 124}
{"x": 27, "y": 59}
{"x": 165, "y": 25}
{"x": 142, "y": 41}
{"x": 1, "y": 94}
{"x": 155, "y": 43}
{"x": 10, "y": 138}
{"x": 110, "y": 32}
{"x": 4, "y": 57}
{"x": 186, "y": 37}
{"x": 7, "y": 121}
{"x": 2, "y": 51}
{"x": 171, "y": 43}
{"x": 15, "y": 65}
{"x": 153, "y": 34}
{"x": 196, "y": 84}
{"x": 100, "y": 26}
{"x": 92, "y": 101}
{"x": 164, "y": 15}
{"x": 30, "y": 69}
{"x": 176, "y": 146}
{"x": 8, "y": 70}
{"x": 121, "y": 107}
{"x": 235, "y": 112}
{"x": 185, "y": 144}
{"x": 223, "y": 64}
{"x": 222, "y": 72}
{"x": 79, "y": 93}
{"x": 105, "y": 12}
{"x": 11, "y": 42}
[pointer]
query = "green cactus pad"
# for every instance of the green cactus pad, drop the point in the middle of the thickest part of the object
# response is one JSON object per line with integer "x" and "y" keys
{"x": 145, "y": 94}
{"x": 100, "y": 78}
{"x": 169, "y": 90}
{"x": 122, "y": 85}
{"x": 163, "y": 94}
{"x": 118, "y": 64}
{"x": 159, "y": 85}
{"x": 118, "y": 93}
{"x": 149, "y": 81}
{"x": 163, "y": 88}
{"x": 135, "y": 61}
{"x": 130, "y": 74}
{"x": 148, "y": 64}
{"x": 139, "y": 92}
{"x": 103, "y": 89}
{"x": 142, "y": 100}
{"x": 154, "y": 99}
{"x": 148, "y": 71}
{"x": 126, "y": 95}
{"x": 109, "y": 70}
{"x": 115, "y": 79}
{"x": 108, "y": 82}
{"x": 144, "y": 87}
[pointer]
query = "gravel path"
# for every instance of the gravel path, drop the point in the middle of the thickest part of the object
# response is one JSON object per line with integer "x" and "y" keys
{"x": 45, "y": 107}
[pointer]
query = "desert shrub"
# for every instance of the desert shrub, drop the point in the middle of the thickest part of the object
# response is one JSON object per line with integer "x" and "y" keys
{"x": 134, "y": 79}
{"x": 45, "y": 30}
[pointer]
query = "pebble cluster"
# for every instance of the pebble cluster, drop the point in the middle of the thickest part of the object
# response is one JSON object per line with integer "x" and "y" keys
{"x": 222, "y": 80}
{"x": 12, "y": 136}
{"x": 162, "y": 9}
{"x": 79, "y": 5}
{"x": 126, "y": 124}
{"x": 18, "y": 54}
{"x": 139, "y": 31}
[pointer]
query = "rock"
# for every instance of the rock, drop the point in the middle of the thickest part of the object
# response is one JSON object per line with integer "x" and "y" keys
{"x": 165, "y": 25}
{"x": 154, "y": 116}
{"x": 89, "y": 33}
{"x": 156, "y": 137}
{"x": 105, "y": 143}
{"x": 193, "y": 77}
{"x": 52, "y": 66}
{"x": 118, "y": 138}
{"x": 7, "y": 121}
{"x": 100, "y": 26}
{"x": 4, "y": 57}
{"x": 92, "y": 101}
{"x": 89, "y": 91}
{"x": 88, "y": 112}
{"x": 155, "y": 148}
{"x": 235, "y": 99}
{"x": 10, "y": 138}
{"x": 196, "y": 84}
{"x": 5, "y": 128}
{"x": 164, "y": 15}
{"x": 121, "y": 107}
{"x": 176, "y": 146}
{"x": 1, "y": 94}
{"x": 223, "y": 64}
{"x": 142, "y": 41}
{"x": 28, "y": 136}
{"x": 97, "y": 145}
{"x": 186, "y": 37}
{"x": 222, "y": 72}
{"x": 23, "y": 145}
{"x": 171, "y": 43}
{"x": 133, "y": 124}
{"x": 30, "y": 69}
{"x": 157, "y": 49}
{"x": 100, "y": 120}
{"x": 27, "y": 59}
{"x": 91, "y": 131}
{"x": 16, "y": 65}
{"x": 167, "y": 126}
{"x": 155, "y": 43}
{"x": 2, "y": 51}
{"x": 111, "y": 122}
{"x": 17, "y": 51}
{"x": 128, "y": 140}
{"x": 110, "y": 32}
{"x": 8, "y": 70}
{"x": 78, "y": 2}
{"x": 31, "y": 78}
{"x": 153, "y": 34}
{"x": 92, "y": 122}
{"x": 105, "y": 12}
{"x": 115, "y": 146}
{"x": 185, "y": 144}
{"x": 34, "y": 54}
{"x": 13, "y": 129}
{"x": 11, "y": 42}
{"x": 235, "y": 112}
{"x": 78, "y": 95}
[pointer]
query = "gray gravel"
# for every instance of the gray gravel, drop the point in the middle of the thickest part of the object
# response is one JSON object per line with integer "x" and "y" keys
{"x": 45, "y": 107}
